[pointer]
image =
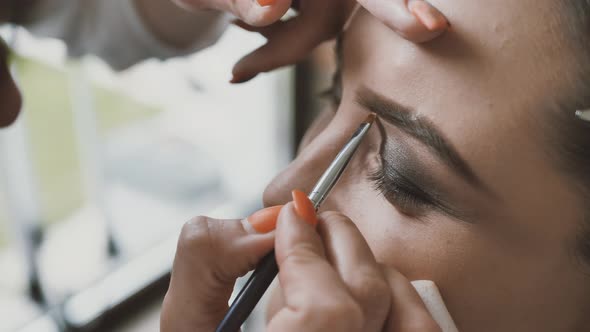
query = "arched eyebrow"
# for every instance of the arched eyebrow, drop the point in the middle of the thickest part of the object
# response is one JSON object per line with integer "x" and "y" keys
{"x": 420, "y": 128}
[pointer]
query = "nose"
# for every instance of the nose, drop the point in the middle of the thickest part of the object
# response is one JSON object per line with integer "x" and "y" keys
{"x": 318, "y": 149}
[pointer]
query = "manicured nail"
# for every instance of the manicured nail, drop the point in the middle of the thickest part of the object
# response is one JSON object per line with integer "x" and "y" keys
{"x": 428, "y": 15}
{"x": 304, "y": 207}
{"x": 265, "y": 220}
{"x": 265, "y": 3}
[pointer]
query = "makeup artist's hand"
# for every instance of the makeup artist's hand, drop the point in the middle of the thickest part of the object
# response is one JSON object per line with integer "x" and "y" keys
{"x": 317, "y": 21}
{"x": 330, "y": 279}
{"x": 211, "y": 254}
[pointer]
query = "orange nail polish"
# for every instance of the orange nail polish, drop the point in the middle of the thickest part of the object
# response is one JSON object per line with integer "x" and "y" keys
{"x": 428, "y": 15}
{"x": 264, "y": 3}
{"x": 265, "y": 220}
{"x": 304, "y": 207}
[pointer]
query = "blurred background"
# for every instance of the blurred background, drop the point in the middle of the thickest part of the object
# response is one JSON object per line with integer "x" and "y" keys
{"x": 103, "y": 168}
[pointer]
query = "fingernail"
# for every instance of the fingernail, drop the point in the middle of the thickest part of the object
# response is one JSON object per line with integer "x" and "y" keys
{"x": 428, "y": 15}
{"x": 265, "y": 3}
{"x": 304, "y": 207}
{"x": 265, "y": 220}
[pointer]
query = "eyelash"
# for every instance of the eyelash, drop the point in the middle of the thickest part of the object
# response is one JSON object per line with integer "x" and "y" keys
{"x": 408, "y": 198}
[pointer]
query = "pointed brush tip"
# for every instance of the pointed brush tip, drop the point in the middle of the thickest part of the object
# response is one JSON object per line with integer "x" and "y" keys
{"x": 370, "y": 118}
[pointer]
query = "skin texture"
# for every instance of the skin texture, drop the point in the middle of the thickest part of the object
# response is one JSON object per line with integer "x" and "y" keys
{"x": 511, "y": 268}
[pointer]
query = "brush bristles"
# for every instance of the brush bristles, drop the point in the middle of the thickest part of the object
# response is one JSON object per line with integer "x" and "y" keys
{"x": 370, "y": 118}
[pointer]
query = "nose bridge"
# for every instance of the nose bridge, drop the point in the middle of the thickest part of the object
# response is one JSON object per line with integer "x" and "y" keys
{"x": 307, "y": 168}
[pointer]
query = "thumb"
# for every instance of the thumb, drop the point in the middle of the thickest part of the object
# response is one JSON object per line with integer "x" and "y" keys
{"x": 211, "y": 255}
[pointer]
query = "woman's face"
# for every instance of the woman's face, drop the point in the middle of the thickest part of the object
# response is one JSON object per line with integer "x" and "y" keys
{"x": 454, "y": 184}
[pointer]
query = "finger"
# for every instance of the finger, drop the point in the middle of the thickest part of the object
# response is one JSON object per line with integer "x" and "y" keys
{"x": 214, "y": 253}
{"x": 415, "y": 20}
{"x": 407, "y": 311}
{"x": 352, "y": 257}
{"x": 290, "y": 43}
{"x": 316, "y": 298}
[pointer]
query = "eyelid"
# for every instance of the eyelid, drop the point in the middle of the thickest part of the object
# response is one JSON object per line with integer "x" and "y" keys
{"x": 432, "y": 197}
{"x": 398, "y": 179}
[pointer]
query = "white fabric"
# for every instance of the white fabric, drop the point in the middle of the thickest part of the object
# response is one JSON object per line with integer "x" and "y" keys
{"x": 435, "y": 304}
{"x": 113, "y": 30}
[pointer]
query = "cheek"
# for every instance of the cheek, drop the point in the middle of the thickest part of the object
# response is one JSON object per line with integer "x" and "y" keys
{"x": 479, "y": 278}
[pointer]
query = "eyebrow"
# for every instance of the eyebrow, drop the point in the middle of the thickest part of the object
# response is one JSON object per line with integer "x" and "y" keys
{"x": 406, "y": 119}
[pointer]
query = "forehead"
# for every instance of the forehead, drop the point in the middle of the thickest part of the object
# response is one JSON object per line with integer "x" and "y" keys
{"x": 493, "y": 46}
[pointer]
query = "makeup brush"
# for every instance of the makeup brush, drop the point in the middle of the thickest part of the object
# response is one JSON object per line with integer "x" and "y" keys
{"x": 583, "y": 115}
{"x": 267, "y": 268}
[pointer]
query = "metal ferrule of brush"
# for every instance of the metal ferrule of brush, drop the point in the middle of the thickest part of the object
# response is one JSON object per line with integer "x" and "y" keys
{"x": 330, "y": 177}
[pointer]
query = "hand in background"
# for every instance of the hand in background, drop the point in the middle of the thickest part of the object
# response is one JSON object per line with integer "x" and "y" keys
{"x": 292, "y": 40}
